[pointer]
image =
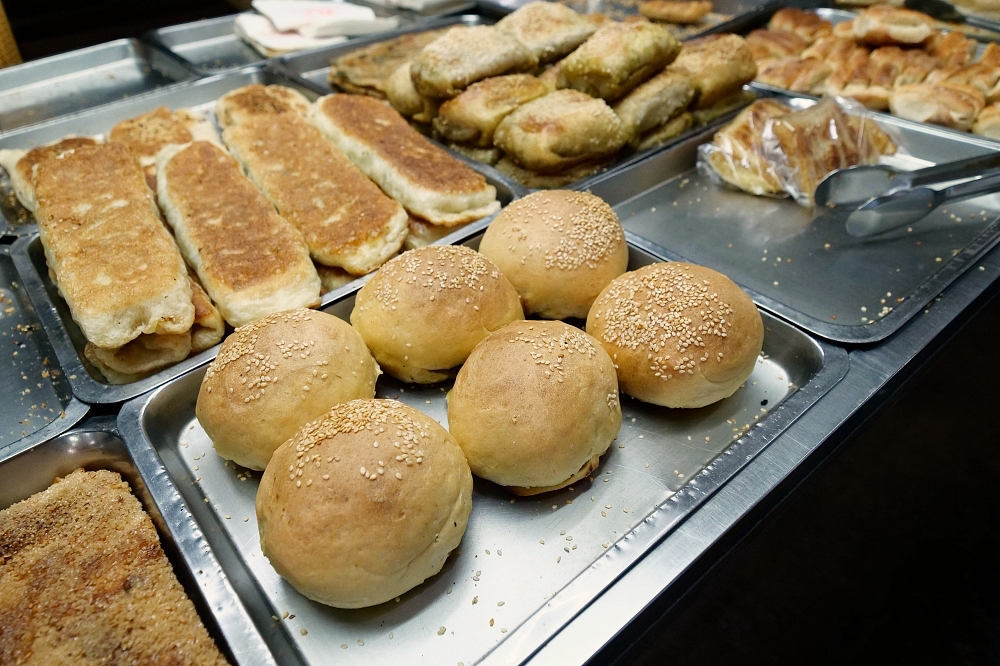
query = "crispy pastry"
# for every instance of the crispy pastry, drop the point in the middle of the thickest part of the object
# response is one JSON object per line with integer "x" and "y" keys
{"x": 981, "y": 77}
{"x": 832, "y": 50}
{"x": 738, "y": 154}
{"x": 485, "y": 155}
{"x": 883, "y": 25}
{"x": 423, "y": 233}
{"x": 404, "y": 97}
{"x": 654, "y": 102}
{"x": 255, "y": 100}
{"x": 428, "y": 181}
{"x": 209, "y": 326}
{"x": 549, "y": 30}
{"x": 473, "y": 115}
{"x": 916, "y": 67}
{"x": 366, "y": 71}
{"x": 331, "y": 277}
{"x": 140, "y": 357}
{"x": 550, "y": 77}
{"x": 988, "y": 122}
{"x": 346, "y": 219}
{"x": 20, "y": 165}
{"x": 560, "y": 130}
{"x": 668, "y": 130}
{"x": 83, "y": 580}
{"x": 950, "y": 104}
{"x": 617, "y": 58}
{"x": 684, "y": 12}
{"x": 718, "y": 65}
{"x": 953, "y": 49}
{"x": 547, "y": 181}
{"x": 774, "y": 44}
{"x": 116, "y": 265}
{"x": 251, "y": 260}
{"x": 464, "y": 55}
{"x": 806, "y": 75}
{"x": 823, "y": 138}
{"x": 844, "y": 29}
{"x": 147, "y": 134}
{"x": 806, "y": 24}
{"x": 852, "y": 79}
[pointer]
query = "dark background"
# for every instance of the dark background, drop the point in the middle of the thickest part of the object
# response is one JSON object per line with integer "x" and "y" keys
{"x": 888, "y": 551}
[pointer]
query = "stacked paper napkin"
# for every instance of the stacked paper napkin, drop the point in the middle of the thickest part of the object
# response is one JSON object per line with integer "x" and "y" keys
{"x": 282, "y": 26}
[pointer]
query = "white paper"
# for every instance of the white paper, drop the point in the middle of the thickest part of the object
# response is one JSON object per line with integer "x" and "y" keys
{"x": 297, "y": 14}
{"x": 260, "y": 33}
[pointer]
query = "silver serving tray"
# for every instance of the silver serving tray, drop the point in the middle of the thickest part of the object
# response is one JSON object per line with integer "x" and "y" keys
{"x": 310, "y": 69}
{"x": 29, "y": 257}
{"x": 808, "y": 270}
{"x": 36, "y": 402}
{"x": 526, "y": 566}
{"x": 96, "y": 445}
{"x": 51, "y": 87}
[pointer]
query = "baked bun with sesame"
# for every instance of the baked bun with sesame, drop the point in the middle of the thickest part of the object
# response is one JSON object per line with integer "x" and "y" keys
{"x": 424, "y": 311}
{"x": 680, "y": 335}
{"x": 277, "y": 373}
{"x": 559, "y": 249}
{"x": 363, "y": 503}
{"x": 535, "y": 406}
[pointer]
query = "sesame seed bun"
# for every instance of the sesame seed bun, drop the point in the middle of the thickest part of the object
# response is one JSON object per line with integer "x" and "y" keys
{"x": 424, "y": 311}
{"x": 680, "y": 335}
{"x": 364, "y": 503}
{"x": 535, "y": 406}
{"x": 559, "y": 249}
{"x": 272, "y": 376}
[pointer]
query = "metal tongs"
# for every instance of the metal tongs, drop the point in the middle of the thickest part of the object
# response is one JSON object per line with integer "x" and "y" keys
{"x": 879, "y": 198}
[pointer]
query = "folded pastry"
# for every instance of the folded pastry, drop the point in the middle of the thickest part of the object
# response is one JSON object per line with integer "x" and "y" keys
{"x": 668, "y": 130}
{"x": 980, "y": 76}
{"x": 251, "y": 260}
{"x": 139, "y": 358}
{"x": 853, "y": 79}
{"x": 806, "y": 75}
{"x": 806, "y": 24}
{"x": 346, "y": 219}
{"x": 953, "y": 49}
{"x": 474, "y": 114}
{"x": 145, "y": 135}
{"x": 950, "y": 104}
{"x": 916, "y": 67}
{"x": 560, "y": 130}
{"x": 332, "y": 278}
{"x": 209, "y": 326}
{"x": 738, "y": 149}
{"x": 429, "y": 182}
{"x": 366, "y": 71}
{"x": 404, "y": 97}
{"x": 255, "y": 100}
{"x": 844, "y": 29}
{"x": 833, "y": 50}
{"x": 20, "y": 165}
{"x": 988, "y": 122}
{"x": 656, "y": 101}
{"x": 774, "y": 44}
{"x": 617, "y": 58}
{"x": 884, "y": 25}
{"x": 718, "y": 65}
{"x": 547, "y": 181}
{"x": 683, "y": 12}
{"x": 464, "y": 55}
{"x": 116, "y": 264}
{"x": 549, "y": 30}
{"x": 422, "y": 233}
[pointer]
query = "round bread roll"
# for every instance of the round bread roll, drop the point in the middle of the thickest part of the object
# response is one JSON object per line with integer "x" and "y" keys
{"x": 277, "y": 373}
{"x": 680, "y": 335}
{"x": 424, "y": 311}
{"x": 559, "y": 249}
{"x": 364, "y": 503}
{"x": 535, "y": 406}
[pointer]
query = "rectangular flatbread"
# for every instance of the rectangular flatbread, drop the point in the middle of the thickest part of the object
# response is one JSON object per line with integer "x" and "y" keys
{"x": 428, "y": 181}
{"x": 251, "y": 260}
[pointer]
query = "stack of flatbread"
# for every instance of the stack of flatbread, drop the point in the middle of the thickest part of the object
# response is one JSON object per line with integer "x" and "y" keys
{"x": 889, "y": 59}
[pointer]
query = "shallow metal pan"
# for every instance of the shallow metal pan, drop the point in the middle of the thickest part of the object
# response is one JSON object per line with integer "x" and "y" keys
{"x": 809, "y": 271}
{"x": 36, "y": 402}
{"x": 59, "y": 85}
{"x": 529, "y": 565}
{"x": 96, "y": 445}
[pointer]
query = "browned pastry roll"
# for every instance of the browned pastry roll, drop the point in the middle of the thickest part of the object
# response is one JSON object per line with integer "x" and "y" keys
{"x": 950, "y": 104}
{"x": 718, "y": 65}
{"x": 883, "y": 25}
{"x": 832, "y": 50}
{"x": 806, "y": 75}
{"x": 549, "y": 30}
{"x": 739, "y": 155}
{"x": 953, "y": 49}
{"x": 654, "y": 102}
{"x": 774, "y": 44}
{"x": 981, "y": 77}
{"x": 988, "y": 122}
{"x": 806, "y": 24}
{"x": 617, "y": 58}
{"x": 20, "y": 165}
{"x": 684, "y": 12}
{"x": 472, "y": 117}
{"x": 366, "y": 71}
{"x": 844, "y": 29}
{"x": 147, "y": 134}
{"x": 404, "y": 97}
{"x": 916, "y": 67}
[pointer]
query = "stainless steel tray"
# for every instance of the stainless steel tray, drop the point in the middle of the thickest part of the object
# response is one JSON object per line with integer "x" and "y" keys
{"x": 36, "y": 402}
{"x": 96, "y": 445}
{"x": 726, "y": 15}
{"x": 51, "y": 87}
{"x": 807, "y": 270}
{"x": 210, "y": 46}
{"x": 525, "y": 566}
